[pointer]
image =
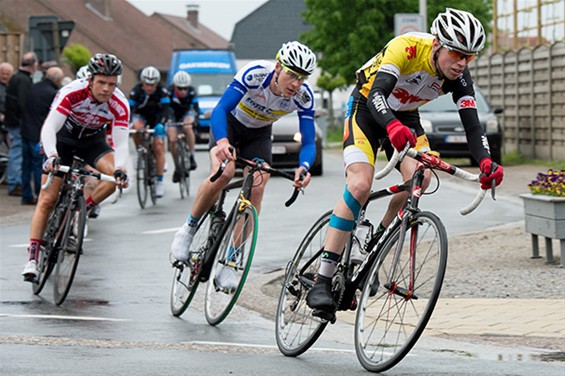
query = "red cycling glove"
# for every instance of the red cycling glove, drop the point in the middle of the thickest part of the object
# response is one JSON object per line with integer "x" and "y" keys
{"x": 399, "y": 135}
{"x": 490, "y": 171}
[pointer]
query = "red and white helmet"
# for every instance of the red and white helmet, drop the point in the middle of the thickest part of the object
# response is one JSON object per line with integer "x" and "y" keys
{"x": 459, "y": 30}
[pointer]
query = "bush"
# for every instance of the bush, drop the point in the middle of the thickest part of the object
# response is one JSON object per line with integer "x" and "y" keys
{"x": 76, "y": 55}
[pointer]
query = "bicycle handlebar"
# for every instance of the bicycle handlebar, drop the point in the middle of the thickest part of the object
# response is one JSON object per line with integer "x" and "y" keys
{"x": 82, "y": 171}
{"x": 433, "y": 162}
{"x": 260, "y": 167}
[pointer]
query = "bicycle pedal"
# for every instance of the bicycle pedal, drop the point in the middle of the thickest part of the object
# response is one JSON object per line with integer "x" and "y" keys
{"x": 325, "y": 315}
{"x": 31, "y": 278}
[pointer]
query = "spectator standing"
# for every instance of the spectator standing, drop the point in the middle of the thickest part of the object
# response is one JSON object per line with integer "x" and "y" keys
{"x": 6, "y": 71}
{"x": 16, "y": 96}
{"x": 41, "y": 96}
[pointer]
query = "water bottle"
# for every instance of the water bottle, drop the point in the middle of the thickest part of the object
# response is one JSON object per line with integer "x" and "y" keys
{"x": 360, "y": 240}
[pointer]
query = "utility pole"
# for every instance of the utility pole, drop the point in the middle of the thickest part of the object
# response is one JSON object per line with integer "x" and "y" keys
{"x": 423, "y": 10}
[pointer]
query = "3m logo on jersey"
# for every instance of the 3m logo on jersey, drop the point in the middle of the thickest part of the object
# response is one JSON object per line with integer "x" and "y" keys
{"x": 405, "y": 97}
{"x": 466, "y": 102}
{"x": 411, "y": 50}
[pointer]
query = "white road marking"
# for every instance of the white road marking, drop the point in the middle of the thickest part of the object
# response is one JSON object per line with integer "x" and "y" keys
{"x": 60, "y": 317}
{"x": 162, "y": 231}
{"x": 253, "y": 345}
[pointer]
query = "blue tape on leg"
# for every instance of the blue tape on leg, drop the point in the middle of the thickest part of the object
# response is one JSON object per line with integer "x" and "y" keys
{"x": 341, "y": 223}
{"x": 351, "y": 203}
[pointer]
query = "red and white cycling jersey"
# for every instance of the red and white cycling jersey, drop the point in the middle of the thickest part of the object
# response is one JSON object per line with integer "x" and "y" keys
{"x": 75, "y": 109}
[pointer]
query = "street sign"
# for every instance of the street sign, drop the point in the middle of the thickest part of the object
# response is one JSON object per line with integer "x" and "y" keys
{"x": 408, "y": 22}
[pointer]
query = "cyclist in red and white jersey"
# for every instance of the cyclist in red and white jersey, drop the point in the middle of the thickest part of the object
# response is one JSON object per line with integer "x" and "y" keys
{"x": 412, "y": 69}
{"x": 77, "y": 123}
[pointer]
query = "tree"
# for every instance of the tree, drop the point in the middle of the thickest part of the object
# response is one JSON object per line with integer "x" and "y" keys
{"x": 330, "y": 83}
{"x": 347, "y": 33}
{"x": 76, "y": 56}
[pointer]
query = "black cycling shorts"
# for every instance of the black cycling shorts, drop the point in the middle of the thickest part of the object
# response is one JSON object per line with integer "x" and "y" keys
{"x": 90, "y": 149}
{"x": 249, "y": 142}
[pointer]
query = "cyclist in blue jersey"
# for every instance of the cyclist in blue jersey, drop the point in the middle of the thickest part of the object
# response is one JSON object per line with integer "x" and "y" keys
{"x": 150, "y": 102}
{"x": 261, "y": 93}
{"x": 184, "y": 108}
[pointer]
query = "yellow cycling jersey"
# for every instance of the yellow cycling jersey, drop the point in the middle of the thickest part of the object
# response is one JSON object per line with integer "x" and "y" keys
{"x": 408, "y": 58}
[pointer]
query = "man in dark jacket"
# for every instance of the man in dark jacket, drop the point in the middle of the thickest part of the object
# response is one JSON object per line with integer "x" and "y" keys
{"x": 16, "y": 96}
{"x": 39, "y": 101}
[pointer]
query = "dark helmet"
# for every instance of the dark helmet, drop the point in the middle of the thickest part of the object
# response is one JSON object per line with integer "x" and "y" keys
{"x": 105, "y": 64}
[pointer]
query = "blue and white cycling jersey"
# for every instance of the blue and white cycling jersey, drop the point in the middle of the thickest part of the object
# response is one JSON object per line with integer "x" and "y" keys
{"x": 254, "y": 105}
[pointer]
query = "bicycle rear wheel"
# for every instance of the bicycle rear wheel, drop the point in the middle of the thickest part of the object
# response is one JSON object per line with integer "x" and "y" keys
{"x": 151, "y": 176}
{"x": 71, "y": 248}
{"x": 141, "y": 177}
{"x": 48, "y": 249}
{"x": 233, "y": 259}
{"x": 186, "y": 276}
{"x": 183, "y": 170}
{"x": 296, "y": 329}
{"x": 389, "y": 323}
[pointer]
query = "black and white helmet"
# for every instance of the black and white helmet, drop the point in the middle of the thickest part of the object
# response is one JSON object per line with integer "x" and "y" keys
{"x": 297, "y": 56}
{"x": 459, "y": 30}
{"x": 150, "y": 75}
{"x": 105, "y": 64}
{"x": 182, "y": 79}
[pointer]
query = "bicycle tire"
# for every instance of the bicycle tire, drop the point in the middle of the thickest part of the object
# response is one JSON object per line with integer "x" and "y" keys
{"x": 141, "y": 179}
{"x": 186, "y": 276}
{"x": 48, "y": 249}
{"x": 183, "y": 170}
{"x": 242, "y": 230}
{"x": 295, "y": 326}
{"x": 389, "y": 324}
{"x": 70, "y": 250}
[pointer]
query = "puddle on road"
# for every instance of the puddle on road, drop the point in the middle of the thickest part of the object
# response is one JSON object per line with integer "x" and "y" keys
{"x": 553, "y": 356}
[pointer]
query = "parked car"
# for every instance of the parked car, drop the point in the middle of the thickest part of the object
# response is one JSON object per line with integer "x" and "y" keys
{"x": 287, "y": 144}
{"x": 441, "y": 122}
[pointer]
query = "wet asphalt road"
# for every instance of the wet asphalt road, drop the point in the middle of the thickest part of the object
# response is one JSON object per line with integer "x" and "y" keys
{"x": 116, "y": 319}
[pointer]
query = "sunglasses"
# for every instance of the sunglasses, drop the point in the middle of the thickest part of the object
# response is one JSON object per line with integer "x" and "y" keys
{"x": 458, "y": 55}
{"x": 295, "y": 76}
{"x": 182, "y": 88}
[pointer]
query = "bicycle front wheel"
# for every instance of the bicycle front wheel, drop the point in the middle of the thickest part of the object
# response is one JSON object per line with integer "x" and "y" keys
{"x": 141, "y": 179}
{"x": 231, "y": 264}
{"x": 70, "y": 250}
{"x": 48, "y": 249}
{"x": 186, "y": 276}
{"x": 183, "y": 170}
{"x": 296, "y": 329}
{"x": 399, "y": 298}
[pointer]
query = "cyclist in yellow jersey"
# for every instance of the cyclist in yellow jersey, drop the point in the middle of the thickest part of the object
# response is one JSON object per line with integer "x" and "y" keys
{"x": 412, "y": 69}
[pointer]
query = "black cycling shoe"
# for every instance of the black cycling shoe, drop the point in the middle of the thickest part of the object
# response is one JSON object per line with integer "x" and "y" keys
{"x": 320, "y": 295}
{"x": 176, "y": 177}
{"x": 192, "y": 163}
{"x": 325, "y": 315}
{"x": 94, "y": 212}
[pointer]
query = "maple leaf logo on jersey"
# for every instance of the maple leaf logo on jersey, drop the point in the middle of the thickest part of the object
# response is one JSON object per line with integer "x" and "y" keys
{"x": 411, "y": 50}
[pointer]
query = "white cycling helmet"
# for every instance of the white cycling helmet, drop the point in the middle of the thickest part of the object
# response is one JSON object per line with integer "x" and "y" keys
{"x": 150, "y": 75}
{"x": 297, "y": 56}
{"x": 83, "y": 73}
{"x": 459, "y": 30}
{"x": 182, "y": 79}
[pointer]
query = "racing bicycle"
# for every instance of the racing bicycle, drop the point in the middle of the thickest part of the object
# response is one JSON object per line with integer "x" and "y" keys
{"x": 222, "y": 243}
{"x": 61, "y": 246}
{"x": 182, "y": 161}
{"x": 394, "y": 289}
{"x": 145, "y": 169}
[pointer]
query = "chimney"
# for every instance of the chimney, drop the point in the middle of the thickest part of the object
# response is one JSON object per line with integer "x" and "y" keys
{"x": 192, "y": 15}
